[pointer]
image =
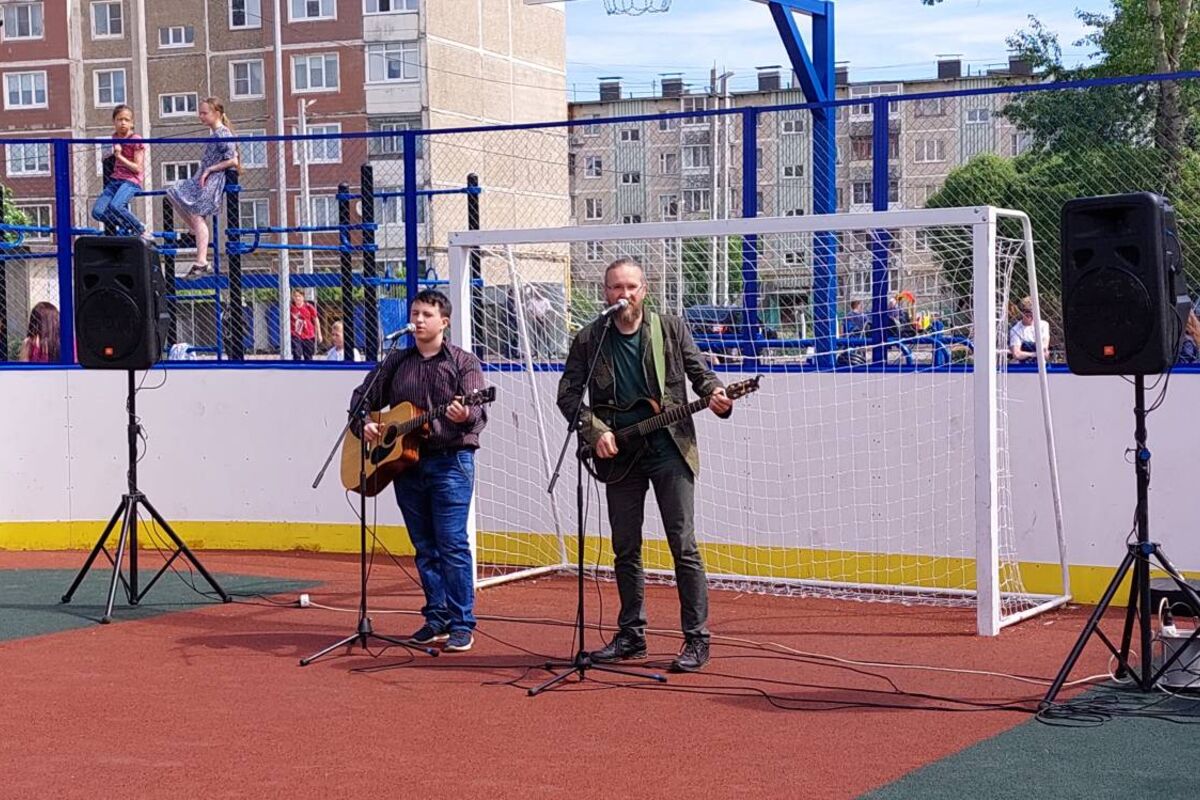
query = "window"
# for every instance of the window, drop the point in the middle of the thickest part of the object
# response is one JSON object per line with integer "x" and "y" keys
{"x": 794, "y": 212}
{"x": 666, "y": 124}
{"x": 323, "y": 211}
{"x": 631, "y": 219}
{"x": 668, "y": 207}
{"x": 793, "y": 170}
{"x": 930, "y": 150}
{"x": 317, "y": 73}
{"x": 177, "y": 36}
{"x": 177, "y": 105}
{"x": 174, "y": 171}
{"x": 24, "y": 21}
{"x": 921, "y": 238}
{"x": 388, "y": 6}
{"x": 793, "y": 258}
{"x": 862, "y": 192}
{"x": 628, "y": 178}
{"x": 929, "y": 107}
{"x": 697, "y": 156}
{"x": 592, "y": 130}
{"x": 693, "y": 104}
{"x": 593, "y": 208}
{"x": 39, "y": 217}
{"x": 861, "y": 148}
{"x": 390, "y": 210}
{"x": 24, "y": 90}
{"x": 789, "y": 126}
{"x": 254, "y": 213}
{"x": 696, "y": 201}
{"x": 593, "y": 167}
{"x": 391, "y": 62}
{"x": 979, "y": 116}
{"x": 670, "y": 249}
{"x": 631, "y": 135}
{"x": 879, "y": 90}
{"x": 246, "y": 79}
{"x": 668, "y": 163}
{"x": 302, "y": 10}
{"x": 253, "y": 154}
{"x": 109, "y": 87}
{"x": 595, "y": 251}
{"x": 894, "y": 191}
{"x": 1020, "y": 142}
{"x": 394, "y": 145}
{"x": 321, "y": 151}
{"x": 27, "y": 159}
{"x": 245, "y": 13}
{"x": 106, "y": 21}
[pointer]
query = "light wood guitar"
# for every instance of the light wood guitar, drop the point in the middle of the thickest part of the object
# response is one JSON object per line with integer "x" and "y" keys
{"x": 399, "y": 447}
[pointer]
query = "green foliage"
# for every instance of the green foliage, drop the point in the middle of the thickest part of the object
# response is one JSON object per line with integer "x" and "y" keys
{"x": 10, "y": 214}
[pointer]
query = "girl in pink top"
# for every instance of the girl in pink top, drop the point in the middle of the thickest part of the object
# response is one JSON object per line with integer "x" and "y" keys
{"x": 129, "y": 156}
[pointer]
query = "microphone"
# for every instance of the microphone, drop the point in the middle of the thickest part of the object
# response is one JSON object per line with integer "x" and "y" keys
{"x": 396, "y": 334}
{"x": 617, "y": 306}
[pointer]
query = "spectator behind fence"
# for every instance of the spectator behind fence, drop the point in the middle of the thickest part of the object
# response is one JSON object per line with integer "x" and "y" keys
{"x": 199, "y": 197}
{"x": 537, "y": 311}
{"x": 337, "y": 352}
{"x": 855, "y": 323}
{"x": 1023, "y": 335}
{"x": 1189, "y": 343}
{"x": 306, "y": 327}
{"x": 129, "y": 158}
{"x": 41, "y": 341}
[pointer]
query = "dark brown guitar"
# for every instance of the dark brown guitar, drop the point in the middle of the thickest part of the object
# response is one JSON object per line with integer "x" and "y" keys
{"x": 399, "y": 447}
{"x": 631, "y": 440}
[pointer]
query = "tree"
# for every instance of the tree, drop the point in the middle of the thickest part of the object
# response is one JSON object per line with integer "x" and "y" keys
{"x": 10, "y": 214}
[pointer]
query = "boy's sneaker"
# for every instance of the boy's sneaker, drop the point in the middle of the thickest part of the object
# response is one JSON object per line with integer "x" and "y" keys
{"x": 692, "y": 657}
{"x": 428, "y": 635}
{"x": 459, "y": 642}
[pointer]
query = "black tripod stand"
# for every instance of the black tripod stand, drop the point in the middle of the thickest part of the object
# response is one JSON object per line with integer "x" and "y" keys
{"x": 1138, "y": 558}
{"x": 127, "y": 512}
{"x": 583, "y": 660}
{"x": 364, "y": 632}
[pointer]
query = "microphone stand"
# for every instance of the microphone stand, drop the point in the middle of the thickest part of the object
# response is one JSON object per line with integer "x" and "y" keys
{"x": 583, "y": 659}
{"x": 364, "y": 632}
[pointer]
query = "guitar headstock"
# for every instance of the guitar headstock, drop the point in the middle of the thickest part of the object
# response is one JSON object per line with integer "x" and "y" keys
{"x": 480, "y": 397}
{"x": 742, "y": 388}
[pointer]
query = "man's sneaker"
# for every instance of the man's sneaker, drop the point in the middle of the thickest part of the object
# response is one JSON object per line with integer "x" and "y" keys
{"x": 692, "y": 657}
{"x": 428, "y": 635}
{"x": 623, "y": 646}
{"x": 459, "y": 642}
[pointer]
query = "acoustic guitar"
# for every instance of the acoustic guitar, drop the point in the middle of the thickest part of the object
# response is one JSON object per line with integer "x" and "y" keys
{"x": 399, "y": 447}
{"x": 631, "y": 440}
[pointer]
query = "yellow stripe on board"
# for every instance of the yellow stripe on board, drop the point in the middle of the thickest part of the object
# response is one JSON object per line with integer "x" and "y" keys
{"x": 521, "y": 549}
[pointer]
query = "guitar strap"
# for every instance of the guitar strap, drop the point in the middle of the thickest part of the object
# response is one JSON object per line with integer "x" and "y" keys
{"x": 660, "y": 358}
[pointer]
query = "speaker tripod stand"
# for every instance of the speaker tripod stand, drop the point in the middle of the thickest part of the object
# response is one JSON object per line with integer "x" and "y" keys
{"x": 1138, "y": 558}
{"x": 127, "y": 513}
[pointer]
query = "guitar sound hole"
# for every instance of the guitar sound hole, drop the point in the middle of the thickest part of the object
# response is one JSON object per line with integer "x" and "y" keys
{"x": 389, "y": 437}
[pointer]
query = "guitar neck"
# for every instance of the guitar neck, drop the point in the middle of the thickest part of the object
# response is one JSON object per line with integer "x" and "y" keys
{"x": 669, "y": 417}
{"x": 419, "y": 421}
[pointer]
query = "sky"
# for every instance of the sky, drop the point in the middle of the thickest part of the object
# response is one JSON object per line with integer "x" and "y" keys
{"x": 881, "y": 39}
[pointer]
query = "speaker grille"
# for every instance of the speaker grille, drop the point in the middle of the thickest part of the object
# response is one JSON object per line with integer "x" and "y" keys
{"x": 115, "y": 326}
{"x": 1111, "y": 316}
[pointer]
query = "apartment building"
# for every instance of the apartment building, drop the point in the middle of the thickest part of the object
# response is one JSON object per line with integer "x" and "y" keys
{"x": 354, "y": 65}
{"x": 691, "y": 169}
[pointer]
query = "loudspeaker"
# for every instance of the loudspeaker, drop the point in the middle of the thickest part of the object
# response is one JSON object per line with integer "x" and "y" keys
{"x": 120, "y": 316}
{"x": 1124, "y": 297}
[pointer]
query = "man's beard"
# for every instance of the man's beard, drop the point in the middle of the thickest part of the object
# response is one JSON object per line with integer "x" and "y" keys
{"x": 630, "y": 313}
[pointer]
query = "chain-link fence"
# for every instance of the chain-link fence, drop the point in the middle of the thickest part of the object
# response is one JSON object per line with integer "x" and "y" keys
{"x": 351, "y": 225}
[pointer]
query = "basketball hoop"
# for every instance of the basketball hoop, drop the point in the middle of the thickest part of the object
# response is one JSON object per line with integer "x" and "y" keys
{"x": 636, "y": 7}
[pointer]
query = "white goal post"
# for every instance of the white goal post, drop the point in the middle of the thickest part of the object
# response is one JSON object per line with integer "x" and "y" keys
{"x": 876, "y": 465}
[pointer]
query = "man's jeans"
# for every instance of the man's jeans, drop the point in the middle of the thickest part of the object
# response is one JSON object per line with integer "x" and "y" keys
{"x": 112, "y": 206}
{"x": 434, "y": 496}
{"x": 674, "y": 489}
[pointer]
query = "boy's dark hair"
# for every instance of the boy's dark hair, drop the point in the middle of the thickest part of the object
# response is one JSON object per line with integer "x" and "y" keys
{"x": 122, "y": 107}
{"x": 432, "y": 297}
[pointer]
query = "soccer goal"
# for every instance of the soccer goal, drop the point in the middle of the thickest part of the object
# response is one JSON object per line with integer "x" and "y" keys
{"x": 889, "y": 454}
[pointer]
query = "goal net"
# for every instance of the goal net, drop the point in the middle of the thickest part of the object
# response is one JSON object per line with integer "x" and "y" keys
{"x": 891, "y": 453}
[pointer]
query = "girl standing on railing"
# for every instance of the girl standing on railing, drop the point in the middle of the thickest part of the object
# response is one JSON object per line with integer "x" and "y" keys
{"x": 199, "y": 197}
{"x": 129, "y": 158}
{"x": 41, "y": 339}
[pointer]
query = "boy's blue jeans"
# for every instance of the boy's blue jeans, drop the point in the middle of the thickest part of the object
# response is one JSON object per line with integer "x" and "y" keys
{"x": 112, "y": 206}
{"x": 434, "y": 496}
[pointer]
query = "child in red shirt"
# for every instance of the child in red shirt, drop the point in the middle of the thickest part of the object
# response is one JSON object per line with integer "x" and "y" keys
{"x": 129, "y": 156}
{"x": 306, "y": 327}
